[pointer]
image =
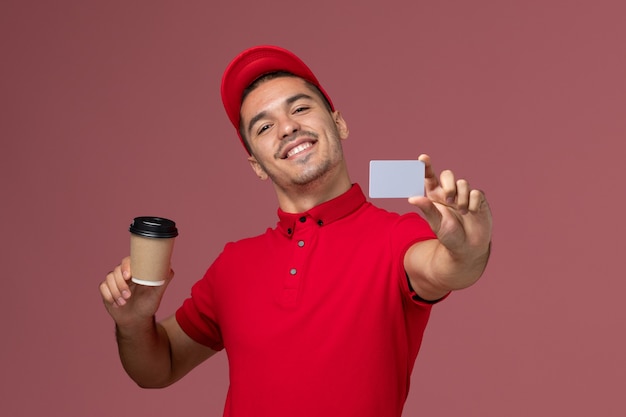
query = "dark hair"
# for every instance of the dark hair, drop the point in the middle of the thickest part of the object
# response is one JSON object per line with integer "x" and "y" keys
{"x": 271, "y": 76}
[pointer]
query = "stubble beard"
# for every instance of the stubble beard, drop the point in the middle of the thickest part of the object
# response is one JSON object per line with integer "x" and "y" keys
{"x": 310, "y": 176}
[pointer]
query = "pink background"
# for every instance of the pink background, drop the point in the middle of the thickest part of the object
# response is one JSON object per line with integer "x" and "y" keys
{"x": 111, "y": 109}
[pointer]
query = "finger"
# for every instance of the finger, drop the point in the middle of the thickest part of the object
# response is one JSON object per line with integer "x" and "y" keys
{"x": 462, "y": 195}
{"x": 448, "y": 185}
{"x": 476, "y": 201}
{"x": 430, "y": 178}
{"x": 113, "y": 293}
{"x": 125, "y": 267}
{"x": 107, "y": 297}
{"x": 118, "y": 286}
{"x": 431, "y": 212}
{"x": 122, "y": 277}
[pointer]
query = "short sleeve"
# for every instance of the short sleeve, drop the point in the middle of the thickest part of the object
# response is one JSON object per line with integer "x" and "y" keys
{"x": 409, "y": 230}
{"x": 197, "y": 316}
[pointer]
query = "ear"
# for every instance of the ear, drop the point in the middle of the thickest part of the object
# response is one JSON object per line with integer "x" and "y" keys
{"x": 342, "y": 126}
{"x": 257, "y": 168}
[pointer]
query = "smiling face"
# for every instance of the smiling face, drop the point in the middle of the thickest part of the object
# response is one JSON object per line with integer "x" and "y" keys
{"x": 294, "y": 139}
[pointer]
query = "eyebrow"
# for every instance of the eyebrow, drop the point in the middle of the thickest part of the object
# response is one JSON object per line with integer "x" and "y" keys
{"x": 288, "y": 101}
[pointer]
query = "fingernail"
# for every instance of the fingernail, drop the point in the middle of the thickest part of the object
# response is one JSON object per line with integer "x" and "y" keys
{"x": 126, "y": 294}
{"x": 126, "y": 274}
{"x": 121, "y": 301}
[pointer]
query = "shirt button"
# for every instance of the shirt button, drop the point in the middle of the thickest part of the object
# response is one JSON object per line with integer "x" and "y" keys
{"x": 288, "y": 231}
{"x": 301, "y": 243}
{"x": 319, "y": 222}
{"x": 293, "y": 271}
{"x": 302, "y": 219}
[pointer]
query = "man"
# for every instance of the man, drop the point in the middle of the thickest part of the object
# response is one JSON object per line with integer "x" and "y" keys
{"x": 324, "y": 314}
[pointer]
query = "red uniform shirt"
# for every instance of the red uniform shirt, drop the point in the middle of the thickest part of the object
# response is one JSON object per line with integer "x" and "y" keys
{"x": 316, "y": 315}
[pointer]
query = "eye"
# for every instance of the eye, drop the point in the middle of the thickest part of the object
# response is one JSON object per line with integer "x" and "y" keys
{"x": 300, "y": 109}
{"x": 263, "y": 128}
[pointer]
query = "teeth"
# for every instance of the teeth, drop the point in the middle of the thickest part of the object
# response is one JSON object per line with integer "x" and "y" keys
{"x": 298, "y": 149}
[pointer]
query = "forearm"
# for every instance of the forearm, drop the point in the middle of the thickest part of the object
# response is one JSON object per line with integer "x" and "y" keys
{"x": 145, "y": 353}
{"x": 455, "y": 271}
{"x": 434, "y": 271}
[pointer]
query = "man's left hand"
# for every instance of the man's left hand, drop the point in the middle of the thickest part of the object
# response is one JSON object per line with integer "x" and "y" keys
{"x": 459, "y": 215}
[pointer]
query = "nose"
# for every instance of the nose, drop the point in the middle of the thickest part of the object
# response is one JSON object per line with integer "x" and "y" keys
{"x": 288, "y": 126}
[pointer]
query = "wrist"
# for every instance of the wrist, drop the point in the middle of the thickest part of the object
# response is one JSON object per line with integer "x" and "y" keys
{"x": 129, "y": 329}
{"x": 461, "y": 270}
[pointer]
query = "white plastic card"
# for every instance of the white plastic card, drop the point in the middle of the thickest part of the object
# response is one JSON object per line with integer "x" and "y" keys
{"x": 396, "y": 179}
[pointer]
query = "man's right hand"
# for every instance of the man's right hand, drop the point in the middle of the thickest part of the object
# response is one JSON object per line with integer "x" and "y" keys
{"x": 153, "y": 354}
{"x": 129, "y": 303}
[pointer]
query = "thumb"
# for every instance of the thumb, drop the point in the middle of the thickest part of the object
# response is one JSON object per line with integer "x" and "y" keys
{"x": 429, "y": 210}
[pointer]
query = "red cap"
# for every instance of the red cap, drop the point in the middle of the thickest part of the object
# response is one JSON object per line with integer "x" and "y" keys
{"x": 253, "y": 63}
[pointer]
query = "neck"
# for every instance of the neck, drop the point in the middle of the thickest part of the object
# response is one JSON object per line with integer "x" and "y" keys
{"x": 300, "y": 198}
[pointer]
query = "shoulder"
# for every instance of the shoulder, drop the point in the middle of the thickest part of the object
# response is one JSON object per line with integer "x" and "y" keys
{"x": 392, "y": 219}
{"x": 247, "y": 244}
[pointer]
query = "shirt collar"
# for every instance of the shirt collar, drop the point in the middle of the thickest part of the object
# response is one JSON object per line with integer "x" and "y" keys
{"x": 325, "y": 213}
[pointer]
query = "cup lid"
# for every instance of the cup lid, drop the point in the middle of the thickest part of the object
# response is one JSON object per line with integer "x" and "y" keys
{"x": 157, "y": 227}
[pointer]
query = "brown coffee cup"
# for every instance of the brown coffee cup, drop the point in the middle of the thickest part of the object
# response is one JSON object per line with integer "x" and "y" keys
{"x": 151, "y": 246}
